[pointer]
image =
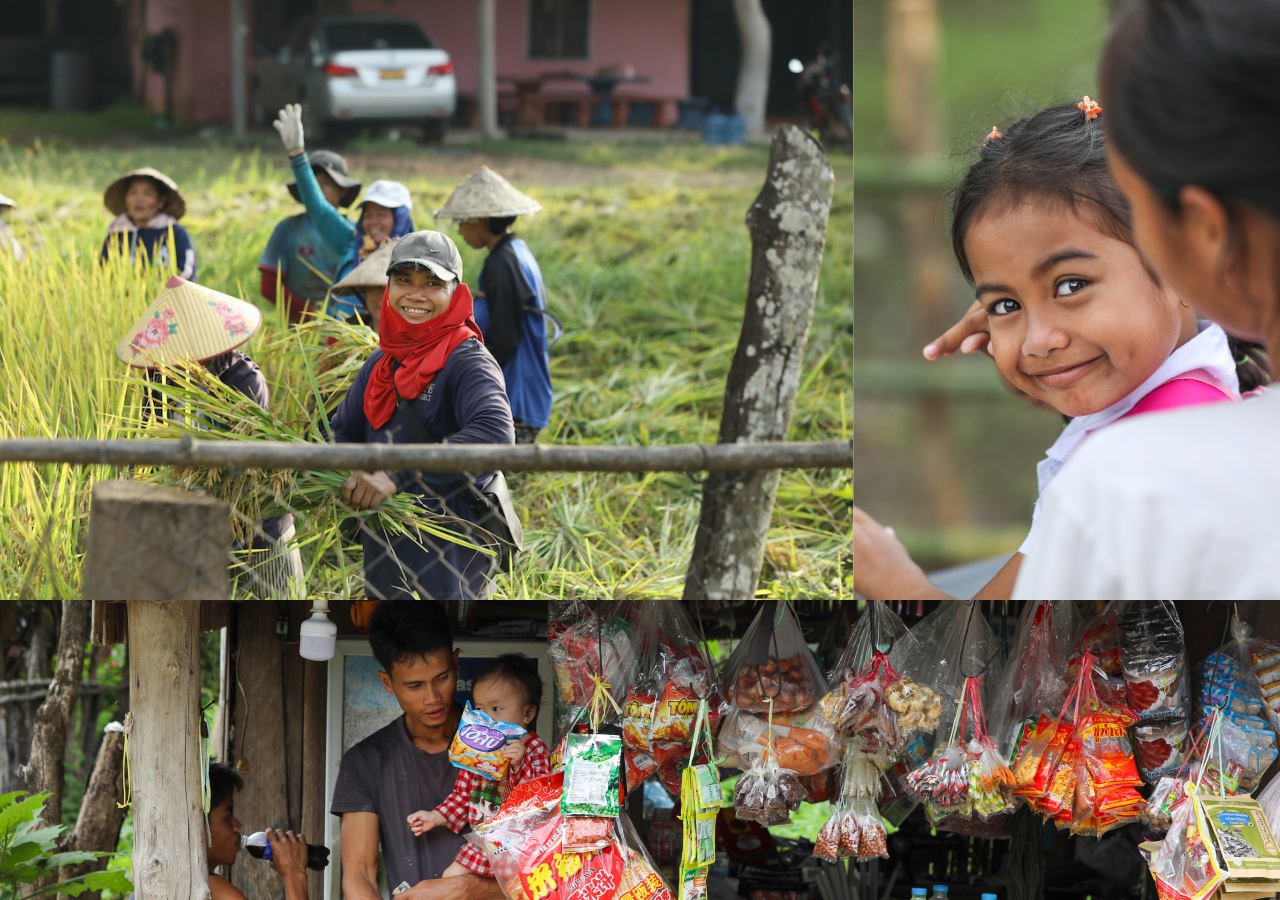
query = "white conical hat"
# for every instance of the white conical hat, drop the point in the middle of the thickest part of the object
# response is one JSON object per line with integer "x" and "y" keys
{"x": 188, "y": 321}
{"x": 484, "y": 194}
{"x": 372, "y": 272}
{"x": 5, "y": 201}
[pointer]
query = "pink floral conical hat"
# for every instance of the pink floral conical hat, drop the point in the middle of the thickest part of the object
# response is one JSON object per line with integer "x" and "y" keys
{"x": 188, "y": 321}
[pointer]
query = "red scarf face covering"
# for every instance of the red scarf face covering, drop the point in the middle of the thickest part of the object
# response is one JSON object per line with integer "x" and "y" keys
{"x": 421, "y": 350}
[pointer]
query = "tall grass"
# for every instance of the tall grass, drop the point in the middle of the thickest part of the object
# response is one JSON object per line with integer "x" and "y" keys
{"x": 650, "y": 281}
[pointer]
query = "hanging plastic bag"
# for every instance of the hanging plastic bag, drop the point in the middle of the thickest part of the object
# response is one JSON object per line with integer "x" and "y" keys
{"x": 768, "y": 793}
{"x": 804, "y": 742}
{"x": 1154, "y": 659}
{"x": 773, "y": 662}
{"x": 700, "y": 800}
{"x": 1034, "y": 681}
{"x": 1184, "y": 865}
{"x": 952, "y": 640}
{"x": 594, "y": 647}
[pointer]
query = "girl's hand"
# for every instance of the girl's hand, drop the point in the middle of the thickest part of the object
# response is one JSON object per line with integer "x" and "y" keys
{"x": 366, "y": 490}
{"x": 514, "y": 751}
{"x": 882, "y": 568}
{"x": 968, "y": 335}
{"x": 423, "y": 821}
{"x": 289, "y": 124}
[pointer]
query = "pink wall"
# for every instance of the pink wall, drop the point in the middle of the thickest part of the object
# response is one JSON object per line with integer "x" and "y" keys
{"x": 650, "y": 36}
{"x": 202, "y": 86}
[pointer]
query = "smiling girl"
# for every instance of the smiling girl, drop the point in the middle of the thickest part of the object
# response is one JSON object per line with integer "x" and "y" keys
{"x": 1077, "y": 319}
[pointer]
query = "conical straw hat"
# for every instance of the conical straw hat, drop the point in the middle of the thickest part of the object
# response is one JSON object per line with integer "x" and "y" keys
{"x": 483, "y": 194}
{"x": 370, "y": 273}
{"x": 173, "y": 204}
{"x": 188, "y": 322}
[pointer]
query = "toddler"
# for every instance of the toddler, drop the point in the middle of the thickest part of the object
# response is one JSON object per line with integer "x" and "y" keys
{"x": 508, "y": 689}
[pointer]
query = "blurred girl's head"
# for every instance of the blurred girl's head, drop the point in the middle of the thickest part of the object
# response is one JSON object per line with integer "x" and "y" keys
{"x": 1194, "y": 126}
{"x": 143, "y": 199}
{"x": 1040, "y": 229}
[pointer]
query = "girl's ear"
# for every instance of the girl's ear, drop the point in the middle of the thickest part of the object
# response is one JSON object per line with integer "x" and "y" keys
{"x": 1207, "y": 227}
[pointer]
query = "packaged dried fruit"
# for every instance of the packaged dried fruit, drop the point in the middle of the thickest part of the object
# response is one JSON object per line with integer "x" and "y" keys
{"x": 767, "y": 793}
{"x": 804, "y": 742}
{"x": 773, "y": 662}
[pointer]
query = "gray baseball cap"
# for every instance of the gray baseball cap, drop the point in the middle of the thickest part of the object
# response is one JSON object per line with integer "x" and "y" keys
{"x": 432, "y": 249}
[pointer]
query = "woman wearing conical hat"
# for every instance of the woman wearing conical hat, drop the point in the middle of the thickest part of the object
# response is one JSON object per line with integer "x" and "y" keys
{"x": 147, "y": 205}
{"x": 510, "y": 300}
{"x": 188, "y": 322}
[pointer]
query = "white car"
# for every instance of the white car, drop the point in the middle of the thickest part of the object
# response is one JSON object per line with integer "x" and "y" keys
{"x": 364, "y": 70}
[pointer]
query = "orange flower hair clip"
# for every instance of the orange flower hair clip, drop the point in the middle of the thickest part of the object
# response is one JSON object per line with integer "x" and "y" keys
{"x": 1089, "y": 108}
{"x": 995, "y": 135}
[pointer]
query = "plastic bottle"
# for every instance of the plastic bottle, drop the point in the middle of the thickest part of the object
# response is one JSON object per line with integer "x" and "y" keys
{"x": 256, "y": 844}
{"x": 988, "y": 897}
{"x": 918, "y": 892}
{"x": 939, "y": 892}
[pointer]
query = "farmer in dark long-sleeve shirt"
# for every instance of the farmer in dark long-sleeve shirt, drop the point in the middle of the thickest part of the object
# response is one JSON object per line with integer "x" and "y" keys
{"x": 432, "y": 355}
{"x": 511, "y": 302}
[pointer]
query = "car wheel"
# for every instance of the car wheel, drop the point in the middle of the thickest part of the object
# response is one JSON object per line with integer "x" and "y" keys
{"x": 433, "y": 131}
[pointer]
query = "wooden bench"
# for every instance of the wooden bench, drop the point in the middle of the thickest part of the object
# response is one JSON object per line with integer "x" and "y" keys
{"x": 583, "y": 104}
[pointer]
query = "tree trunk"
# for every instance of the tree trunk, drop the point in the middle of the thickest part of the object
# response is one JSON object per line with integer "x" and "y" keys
{"x": 98, "y": 826}
{"x": 164, "y": 749}
{"x": 44, "y": 769}
{"x": 487, "y": 83}
{"x": 756, "y": 37}
{"x": 788, "y": 225}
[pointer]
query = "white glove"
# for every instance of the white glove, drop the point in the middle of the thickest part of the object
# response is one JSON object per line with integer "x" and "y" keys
{"x": 289, "y": 124}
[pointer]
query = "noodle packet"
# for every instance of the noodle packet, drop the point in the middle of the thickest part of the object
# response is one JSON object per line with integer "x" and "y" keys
{"x": 593, "y": 776}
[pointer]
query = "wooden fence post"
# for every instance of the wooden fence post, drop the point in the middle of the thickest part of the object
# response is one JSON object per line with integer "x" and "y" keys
{"x": 788, "y": 226}
{"x": 164, "y": 752}
{"x": 148, "y": 542}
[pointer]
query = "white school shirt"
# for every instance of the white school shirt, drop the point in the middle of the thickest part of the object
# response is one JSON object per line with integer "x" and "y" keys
{"x": 1208, "y": 351}
{"x": 1171, "y": 506}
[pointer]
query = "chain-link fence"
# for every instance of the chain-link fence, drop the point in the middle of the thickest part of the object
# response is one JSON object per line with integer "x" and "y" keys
{"x": 251, "y": 519}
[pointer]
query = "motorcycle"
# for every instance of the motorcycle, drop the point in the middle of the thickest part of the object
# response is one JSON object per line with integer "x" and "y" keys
{"x": 824, "y": 104}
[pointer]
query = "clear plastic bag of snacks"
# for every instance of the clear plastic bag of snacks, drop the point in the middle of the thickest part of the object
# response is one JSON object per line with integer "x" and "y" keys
{"x": 1184, "y": 865}
{"x": 1035, "y": 676}
{"x": 597, "y": 646}
{"x": 773, "y": 661}
{"x": 854, "y": 831}
{"x": 768, "y": 793}
{"x": 1154, "y": 660}
{"x": 803, "y": 742}
{"x": 952, "y": 640}
{"x": 672, "y": 676}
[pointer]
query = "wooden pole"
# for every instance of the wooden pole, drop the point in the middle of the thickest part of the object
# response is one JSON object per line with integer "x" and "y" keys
{"x": 788, "y": 225}
{"x": 429, "y": 457}
{"x": 239, "y": 75}
{"x": 164, "y": 752}
{"x": 911, "y": 85}
{"x": 487, "y": 83}
{"x": 315, "y": 681}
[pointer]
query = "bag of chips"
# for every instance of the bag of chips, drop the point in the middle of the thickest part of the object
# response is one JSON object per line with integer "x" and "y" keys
{"x": 595, "y": 646}
{"x": 673, "y": 675}
{"x": 1184, "y": 865}
{"x": 773, "y": 662}
{"x": 477, "y": 745}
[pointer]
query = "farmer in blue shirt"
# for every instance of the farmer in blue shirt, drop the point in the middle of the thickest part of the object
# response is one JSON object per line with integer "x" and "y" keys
{"x": 297, "y": 255}
{"x": 511, "y": 302}
{"x": 384, "y": 213}
{"x": 147, "y": 205}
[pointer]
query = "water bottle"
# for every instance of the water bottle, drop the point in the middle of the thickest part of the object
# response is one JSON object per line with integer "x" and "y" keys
{"x": 918, "y": 892}
{"x": 939, "y": 892}
{"x": 256, "y": 844}
{"x": 988, "y": 897}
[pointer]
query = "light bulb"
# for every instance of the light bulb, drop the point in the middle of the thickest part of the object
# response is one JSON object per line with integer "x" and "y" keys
{"x": 318, "y": 636}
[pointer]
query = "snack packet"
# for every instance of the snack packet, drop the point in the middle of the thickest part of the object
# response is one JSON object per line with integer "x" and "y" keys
{"x": 593, "y": 646}
{"x": 673, "y": 675}
{"x": 593, "y": 776}
{"x": 477, "y": 746}
{"x": 1034, "y": 681}
{"x": 773, "y": 661}
{"x": 804, "y": 742}
{"x": 1183, "y": 865}
{"x": 767, "y": 793}
{"x": 1153, "y": 657}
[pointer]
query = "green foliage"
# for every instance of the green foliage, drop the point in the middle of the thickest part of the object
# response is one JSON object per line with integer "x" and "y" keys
{"x": 28, "y": 853}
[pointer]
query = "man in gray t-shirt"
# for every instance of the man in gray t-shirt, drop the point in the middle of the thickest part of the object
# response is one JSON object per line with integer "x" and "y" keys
{"x": 405, "y": 766}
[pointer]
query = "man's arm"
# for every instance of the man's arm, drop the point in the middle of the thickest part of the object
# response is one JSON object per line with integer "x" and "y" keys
{"x": 459, "y": 887}
{"x": 359, "y": 836}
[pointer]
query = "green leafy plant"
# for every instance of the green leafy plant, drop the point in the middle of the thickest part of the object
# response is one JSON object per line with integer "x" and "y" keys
{"x": 28, "y": 853}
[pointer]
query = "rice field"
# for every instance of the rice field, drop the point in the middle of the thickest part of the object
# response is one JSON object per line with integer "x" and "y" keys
{"x": 645, "y": 256}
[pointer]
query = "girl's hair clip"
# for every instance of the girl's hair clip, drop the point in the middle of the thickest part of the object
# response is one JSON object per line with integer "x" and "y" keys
{"x": 1089, "y": 107}
{"x": 995, "y": 135}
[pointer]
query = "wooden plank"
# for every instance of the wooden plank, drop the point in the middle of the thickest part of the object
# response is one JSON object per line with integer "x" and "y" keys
{"x": 165, "y": 763}
{"x": 314, "y": 715}
{"x": 111, "y": 620}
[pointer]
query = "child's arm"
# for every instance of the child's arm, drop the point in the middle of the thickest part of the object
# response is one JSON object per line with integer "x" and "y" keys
{"x": 455, "y": 811}
{"x": 882, "y": 568}
{"x": 535, "y": 762}
{"x": 424, "y": 820}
